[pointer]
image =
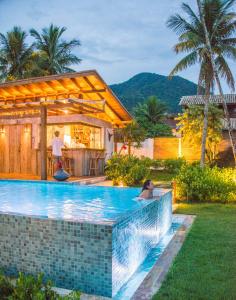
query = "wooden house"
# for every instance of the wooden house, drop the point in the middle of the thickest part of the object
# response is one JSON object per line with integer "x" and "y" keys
{"x": 230, "y": 100}
{"x": 79, "y": 105}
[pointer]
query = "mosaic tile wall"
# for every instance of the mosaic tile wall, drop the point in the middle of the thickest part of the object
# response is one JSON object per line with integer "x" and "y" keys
{"x": 73, "y": 255}
{"x": 134, "y": 237}
{"x": 93, "y": 258}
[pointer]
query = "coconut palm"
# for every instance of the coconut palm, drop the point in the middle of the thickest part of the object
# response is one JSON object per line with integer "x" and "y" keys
{"x": 15, "y": 54}
{"x": 152, "y": 110}
{"x": 55, "y": 54}
{"x": 150, "y": 115}
{"x": 220, "y": 20}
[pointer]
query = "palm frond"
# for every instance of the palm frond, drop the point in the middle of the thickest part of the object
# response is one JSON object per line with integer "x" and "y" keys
{"x": 184, "y": 63}
{"x": 225, "y": 72}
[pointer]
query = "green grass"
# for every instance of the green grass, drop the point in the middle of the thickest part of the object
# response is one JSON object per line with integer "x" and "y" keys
{"x": 205, "y": 267}
{"x": 161, "y": 176}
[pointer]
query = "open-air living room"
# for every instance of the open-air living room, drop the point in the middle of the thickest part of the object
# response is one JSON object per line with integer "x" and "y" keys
{"x": 117, "y": 182}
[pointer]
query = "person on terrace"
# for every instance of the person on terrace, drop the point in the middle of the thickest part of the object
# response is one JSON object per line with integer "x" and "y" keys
{"x": 57, "y": 144}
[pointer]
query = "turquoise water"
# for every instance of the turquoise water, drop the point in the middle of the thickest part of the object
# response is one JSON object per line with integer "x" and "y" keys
{"x": 130, "y": 287}
{"x": 68, "y": 201}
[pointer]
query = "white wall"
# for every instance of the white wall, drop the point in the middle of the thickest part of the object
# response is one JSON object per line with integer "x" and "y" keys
{"x": 109, "y": 143}
{"x": 147, "y": 149}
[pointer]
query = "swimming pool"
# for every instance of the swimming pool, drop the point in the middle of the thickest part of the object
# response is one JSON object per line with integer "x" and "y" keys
{"x": 89, "y": 238}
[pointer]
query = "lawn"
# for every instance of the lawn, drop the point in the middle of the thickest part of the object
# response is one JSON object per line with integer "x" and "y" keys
{"x": 205, "y": 267}
{"x": 161, "y": 178}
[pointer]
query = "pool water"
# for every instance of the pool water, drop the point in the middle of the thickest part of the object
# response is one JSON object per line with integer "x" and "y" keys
{"x": 75, "y": 202}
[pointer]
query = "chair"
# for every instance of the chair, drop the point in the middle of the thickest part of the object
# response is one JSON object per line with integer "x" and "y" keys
{"x": 94, "y": 160}
{"x": 67, "y": 163}
{"x": 50, "y": 163}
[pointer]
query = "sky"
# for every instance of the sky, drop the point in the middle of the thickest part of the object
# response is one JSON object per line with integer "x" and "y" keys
{"x": 119, "y": 38}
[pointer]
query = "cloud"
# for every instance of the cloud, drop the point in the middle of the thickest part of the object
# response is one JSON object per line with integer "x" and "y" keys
{"x": 119, "y": 38}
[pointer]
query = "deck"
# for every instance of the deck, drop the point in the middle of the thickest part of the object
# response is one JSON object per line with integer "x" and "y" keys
{"x": 79, "y": 180}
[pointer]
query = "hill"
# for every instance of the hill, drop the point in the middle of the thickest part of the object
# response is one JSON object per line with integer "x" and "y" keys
{"x": 143, "y": 85}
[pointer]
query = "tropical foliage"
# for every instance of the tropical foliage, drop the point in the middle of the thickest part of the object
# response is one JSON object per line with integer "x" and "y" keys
{"x": 191, "y": 125}
{"x": 220, "y": 20}
{"x": 16, "y": 56}
{"x": 127, "y": 170}
{"x": 131, "y": 135}
{"x": 55, "y": 55}
{"x": 208, "y": 38}
{"x": 31, "y": 288}
{"x": 48, "y": 54}
{"x": 206, "y": 184}
{"x": 150, "y": 116}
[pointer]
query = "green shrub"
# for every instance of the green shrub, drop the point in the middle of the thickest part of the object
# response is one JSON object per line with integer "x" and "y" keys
{"x": 206, "y": 184}
{"x": 6, "y": 287}
{"x": 30, "y": 288}
{"x": 174, "y": 165}
{"x": 127, "y": 169}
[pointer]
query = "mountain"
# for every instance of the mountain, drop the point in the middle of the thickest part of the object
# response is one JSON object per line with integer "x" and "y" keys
{"x": 143, "y": 85}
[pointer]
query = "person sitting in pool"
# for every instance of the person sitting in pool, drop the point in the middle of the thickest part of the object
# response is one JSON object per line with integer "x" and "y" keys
{"x": 147, "y": 190}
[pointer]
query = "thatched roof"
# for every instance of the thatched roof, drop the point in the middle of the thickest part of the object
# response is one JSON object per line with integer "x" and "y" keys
{"x": 199, "y": 99}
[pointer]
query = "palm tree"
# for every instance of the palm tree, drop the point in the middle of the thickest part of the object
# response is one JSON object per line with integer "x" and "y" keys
{"x": 15, "y": 55}
{"x": 152, "y": 110}
{"x": 217, "y": 79}
{"x": 150, "y": 116}
{"x": 130, "y": 135}
{"x": 221, "y": 25}
{"x": 55, "y": 54}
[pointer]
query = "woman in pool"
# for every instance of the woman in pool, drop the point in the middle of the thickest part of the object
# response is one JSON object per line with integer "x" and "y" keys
{"x": 147, "y": 190}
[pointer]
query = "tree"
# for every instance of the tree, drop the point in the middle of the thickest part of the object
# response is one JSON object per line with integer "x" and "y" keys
{"x": 150, "y": 116}
{"x": 130, "y": 135}
{"x": 216, "y": 75}
{"x": 54, "y": 54}
{"x": 16, "y": 56}
{"x": 191, "y": 123}
{"x": 219, "y": 19}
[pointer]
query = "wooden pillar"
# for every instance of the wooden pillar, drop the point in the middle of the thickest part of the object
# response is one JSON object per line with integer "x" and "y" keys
{"x": 43, "y": 142}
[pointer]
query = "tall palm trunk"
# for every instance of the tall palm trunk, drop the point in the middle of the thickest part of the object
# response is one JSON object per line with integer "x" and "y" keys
{"x": 205, "y": 126}
{"x": 211, "y": 56}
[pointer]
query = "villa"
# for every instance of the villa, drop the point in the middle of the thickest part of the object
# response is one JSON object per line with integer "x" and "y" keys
{"x": 230, "y": 100}
{"x": 174, "y": 147}
{"x": 79, "y": 105}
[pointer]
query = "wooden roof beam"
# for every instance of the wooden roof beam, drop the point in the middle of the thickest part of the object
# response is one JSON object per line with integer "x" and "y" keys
{"x": 100, "y": 96}
{"x": 12, "y": 117}
{"x": 75, "y": 84}
{"x": 76, "y": 103}
{"x": 51, "y": 87}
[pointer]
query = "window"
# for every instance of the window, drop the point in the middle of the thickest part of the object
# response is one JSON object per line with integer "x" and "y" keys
{"x": 77, "y": 135}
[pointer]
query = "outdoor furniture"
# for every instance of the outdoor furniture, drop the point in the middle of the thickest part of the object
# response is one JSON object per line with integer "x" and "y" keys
{"x": 50, "y": 163}
{"x": 67, "y": 163}
{"x": 95, "y": 161}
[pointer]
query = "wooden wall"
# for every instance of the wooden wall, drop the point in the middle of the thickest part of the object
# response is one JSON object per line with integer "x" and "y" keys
{"x": 16, "y": 153}
{"x": 172, "y": 147}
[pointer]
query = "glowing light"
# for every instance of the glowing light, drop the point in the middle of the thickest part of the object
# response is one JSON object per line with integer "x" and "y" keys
{"x": 66, "y": 111}
{"x": 67, "y": 140}
{"x": 27, "y": 128}
{"x": 2, "y": 130}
